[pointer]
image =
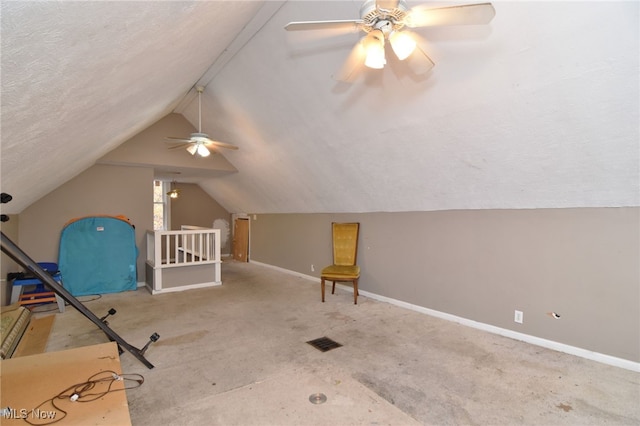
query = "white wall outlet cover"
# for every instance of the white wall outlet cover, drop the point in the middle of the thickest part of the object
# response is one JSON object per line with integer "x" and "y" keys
{"x": 518, "y": 317}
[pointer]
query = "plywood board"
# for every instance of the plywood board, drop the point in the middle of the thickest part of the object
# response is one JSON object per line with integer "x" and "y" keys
{"x": 28, "y": 381}
{"x": 34, "y": 340}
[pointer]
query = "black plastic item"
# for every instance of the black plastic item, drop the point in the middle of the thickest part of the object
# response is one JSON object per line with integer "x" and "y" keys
{"x": 15, "y": 275}
{"x": 5, "y": 198}
{"x": 154, "y": 338}
{"x": 104, "y": 318}
{"x": 27, "y": 275}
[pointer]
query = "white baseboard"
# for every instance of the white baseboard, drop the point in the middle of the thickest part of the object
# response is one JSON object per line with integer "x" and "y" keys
{"x": 183, "y": 288}
{"x": 287, "y": 271}
{"x": 549, "y": 344}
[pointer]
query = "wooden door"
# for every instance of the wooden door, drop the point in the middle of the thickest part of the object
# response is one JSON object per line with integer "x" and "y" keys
{"x": 241, "y": 240}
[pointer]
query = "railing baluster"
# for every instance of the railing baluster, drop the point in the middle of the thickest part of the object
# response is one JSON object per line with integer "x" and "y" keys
{"x": 167, "y": 258}
{"x": 186, "y": 248}
{"x": 193, "y": 247}
{"x": 176, "y": 247}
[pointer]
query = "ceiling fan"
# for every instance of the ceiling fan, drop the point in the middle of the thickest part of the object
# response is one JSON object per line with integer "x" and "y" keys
{"x": 198, "y": 143}
{"x": 385, "y": 20}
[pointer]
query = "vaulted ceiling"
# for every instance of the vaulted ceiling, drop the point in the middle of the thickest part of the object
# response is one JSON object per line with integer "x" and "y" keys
{"x": 538, "y": 109}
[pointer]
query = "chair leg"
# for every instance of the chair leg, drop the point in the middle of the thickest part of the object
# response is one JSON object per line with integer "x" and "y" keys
{"x": 333, "y": 289}
{"x": 322, "y": 288}
{"x": 355, "y": 291}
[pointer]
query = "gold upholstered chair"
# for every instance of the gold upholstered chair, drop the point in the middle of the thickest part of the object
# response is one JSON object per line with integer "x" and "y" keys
{"x": 345, "y": 253}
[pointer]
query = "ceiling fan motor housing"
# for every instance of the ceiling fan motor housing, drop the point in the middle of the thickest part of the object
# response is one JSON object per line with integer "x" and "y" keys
{"x": 384, "y": 20}
{"x": 199, "y": 137}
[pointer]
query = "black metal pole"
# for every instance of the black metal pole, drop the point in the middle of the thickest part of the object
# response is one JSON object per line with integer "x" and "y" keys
{"x": 14, "y": 252}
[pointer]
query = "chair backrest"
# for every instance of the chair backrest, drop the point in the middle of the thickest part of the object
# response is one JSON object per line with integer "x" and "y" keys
{"x": 345, "y": 243}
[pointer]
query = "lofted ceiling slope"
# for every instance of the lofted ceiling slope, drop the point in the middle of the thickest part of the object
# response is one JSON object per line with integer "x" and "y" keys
{"x": 80, "y": 78}
{"x": 539, "y": 109}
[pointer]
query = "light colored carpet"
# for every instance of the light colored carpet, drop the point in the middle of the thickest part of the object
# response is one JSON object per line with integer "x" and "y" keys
{"x": 237, "y": 355}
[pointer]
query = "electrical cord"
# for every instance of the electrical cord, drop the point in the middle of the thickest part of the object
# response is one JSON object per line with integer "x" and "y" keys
{"x": 82, "y": 392}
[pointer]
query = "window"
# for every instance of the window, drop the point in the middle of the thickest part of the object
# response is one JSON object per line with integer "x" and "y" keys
{"x": 160, "y": 206}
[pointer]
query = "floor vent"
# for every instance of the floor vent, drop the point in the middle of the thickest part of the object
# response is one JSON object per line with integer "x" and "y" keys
{"x": 324, "y": 344}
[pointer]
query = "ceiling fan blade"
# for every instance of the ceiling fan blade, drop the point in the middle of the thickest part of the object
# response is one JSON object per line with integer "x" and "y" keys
{"x": 387, "y": 4}
{"x": 220, "y": 144}
{"x": 348, "y": 71}
{"x": 353, "y": 25}
{"x": 181, "y": 145}
{"x": 467, "y": 14}
{"x": 170, "y": 139}
{"x": 419, "y": 62}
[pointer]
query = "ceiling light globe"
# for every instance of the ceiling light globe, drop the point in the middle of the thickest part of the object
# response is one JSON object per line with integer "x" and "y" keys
{"x": 203, "y": 151}
{"x": 402, "y": 44}
{"x": 192, "y": 149}
{"x": 375, "y": 59}
{"x": 374, "y": 48}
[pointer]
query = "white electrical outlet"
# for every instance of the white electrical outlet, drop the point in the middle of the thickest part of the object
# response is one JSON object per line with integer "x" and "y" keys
{"x": 312, "y": 268}
{"x": 518, "y": 317}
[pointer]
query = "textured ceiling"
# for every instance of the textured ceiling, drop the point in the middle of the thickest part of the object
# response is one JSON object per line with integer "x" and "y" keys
{"x": 540, "y": 109}
{"x": 80, "y": 78}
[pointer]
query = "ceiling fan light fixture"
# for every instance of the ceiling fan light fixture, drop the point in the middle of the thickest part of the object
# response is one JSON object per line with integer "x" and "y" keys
{"x": 174, "y": 193}
{"x": 193, "y": 148}
{"x": 374, "y": 48}
{"x": 202, "y": 151}
{"x": 402, "y": 44}
{"x": 384, "y": 20}
{"x": 198, "y": 141}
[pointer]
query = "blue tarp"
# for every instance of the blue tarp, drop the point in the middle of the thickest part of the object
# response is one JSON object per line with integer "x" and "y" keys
{"x": 98, "y": 255}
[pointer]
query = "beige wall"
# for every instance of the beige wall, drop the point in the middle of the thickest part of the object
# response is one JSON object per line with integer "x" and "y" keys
{"x": 483, "y": 264}
{"x": 150, "y": 149}
{"x": 111, "y": 190}
{"x": 100, "y": 190}
{"x": 10, "y": 230}
{"x": 196, "y": 207}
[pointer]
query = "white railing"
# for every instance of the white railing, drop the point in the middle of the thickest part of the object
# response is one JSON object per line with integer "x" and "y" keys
{"x": 184, "y": 247}
{"x": 190, "y": 246}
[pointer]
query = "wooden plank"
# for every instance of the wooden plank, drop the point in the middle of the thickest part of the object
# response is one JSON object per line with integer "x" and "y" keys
{"x": 28, "y": 381}
{"x": 34, "y": 340}
{"x": 15, "y": 320}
